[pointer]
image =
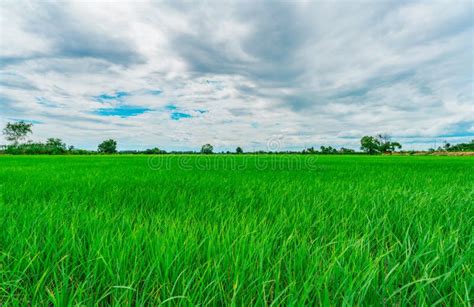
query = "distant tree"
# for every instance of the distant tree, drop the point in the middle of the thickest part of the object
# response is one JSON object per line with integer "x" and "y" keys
{"x": 55, "y": 142}
{"x": 386, "y": 145}
{"x": 309, "y": 150}
{"x": 155, "y": 151}
{"x": 344, "y": 150}
{"x": 328, "y": 150}
{"x": 446, "y": 146}
{"x": 378, "y": 144}
{"x": 369, "y": 144}
{"x": 239, "y": 150}
{"x": 384, "y": 142}
{"x": 108, "y": 146}
{"x": 394, "y": 146}
{"x": 462, "y": 147}
{"x": 207, "y": 149}
{"x": 55, "y": 146}
{"x": 16, "y": 132}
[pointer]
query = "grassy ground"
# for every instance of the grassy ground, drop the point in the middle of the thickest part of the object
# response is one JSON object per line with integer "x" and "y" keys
{"x": 245, "y": 230}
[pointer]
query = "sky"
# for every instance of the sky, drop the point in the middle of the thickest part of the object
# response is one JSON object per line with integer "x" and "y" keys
{"x": 256, "y": 74}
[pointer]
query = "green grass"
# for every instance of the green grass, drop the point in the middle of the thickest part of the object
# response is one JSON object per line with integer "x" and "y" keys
{"x": 196, "y": 230}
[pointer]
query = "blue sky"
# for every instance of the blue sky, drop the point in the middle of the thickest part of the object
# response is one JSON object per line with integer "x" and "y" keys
{"x": 177, "y": 75}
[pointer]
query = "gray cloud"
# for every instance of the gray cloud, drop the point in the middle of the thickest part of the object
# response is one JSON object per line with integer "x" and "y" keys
{"x": 72, "y": 36}
{"x": 12, "y": 80}
{"x": 268, "y": 52}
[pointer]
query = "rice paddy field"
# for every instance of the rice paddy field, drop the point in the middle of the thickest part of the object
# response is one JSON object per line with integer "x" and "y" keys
{"x": 236, "y": 230}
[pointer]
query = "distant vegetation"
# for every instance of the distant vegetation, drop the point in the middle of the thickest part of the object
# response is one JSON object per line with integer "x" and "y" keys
{"x": 463, "y": 147}
{"x": 109, "y": 147}
{"x": 18, "y": 132}
{"x": 379, "y": 144}
{"x": 207, "y": 149}
{"x": 328, "y": 150}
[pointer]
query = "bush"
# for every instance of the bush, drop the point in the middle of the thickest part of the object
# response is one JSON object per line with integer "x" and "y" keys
{"x": 34, "y": 149}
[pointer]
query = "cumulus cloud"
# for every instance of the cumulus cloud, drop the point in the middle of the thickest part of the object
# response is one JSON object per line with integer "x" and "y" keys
{"x": 238, "y": 73}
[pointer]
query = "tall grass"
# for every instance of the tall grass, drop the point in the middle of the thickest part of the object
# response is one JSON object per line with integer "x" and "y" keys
{"x": 128, "y": 230}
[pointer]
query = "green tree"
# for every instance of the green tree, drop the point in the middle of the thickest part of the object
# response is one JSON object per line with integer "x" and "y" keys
{"x": 239, "y": 150}
{"x": 370, "y": 144}
{"x": 309, "y": 150}
{"x": 344, "y": 150}
{"x": 386, "y": 145}
{"x": 55, "y": 145}
{"x": 108, "y": 146}
{"x": 394, "y": 146}
{"x": 16, "y": 132}
{"x": 446, "y": 146}
{"x": 462, "y": 147}
{"x": 378, "y": 144}
{"x": 328, "y": 150}
{"x": 154, "y": 151}
{"x": 207, "y": 149}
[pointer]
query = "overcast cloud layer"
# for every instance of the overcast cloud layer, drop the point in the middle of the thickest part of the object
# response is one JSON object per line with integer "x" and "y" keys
{"x": 178, "y": 75}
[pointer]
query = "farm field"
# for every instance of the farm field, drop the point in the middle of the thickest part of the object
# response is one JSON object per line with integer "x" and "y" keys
{"x": 244, "y": 230}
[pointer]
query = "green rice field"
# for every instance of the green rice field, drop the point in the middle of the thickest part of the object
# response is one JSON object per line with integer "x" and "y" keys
{"x": 236, "y": 230}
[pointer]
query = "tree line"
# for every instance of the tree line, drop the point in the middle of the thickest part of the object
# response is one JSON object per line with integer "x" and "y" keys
{"x": 16, "y": 133}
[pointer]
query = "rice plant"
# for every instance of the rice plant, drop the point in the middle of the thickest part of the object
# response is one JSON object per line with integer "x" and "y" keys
{"x": 236, "y": 230}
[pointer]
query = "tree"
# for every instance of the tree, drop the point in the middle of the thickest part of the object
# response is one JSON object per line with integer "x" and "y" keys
{"x": 155, "y": 151}
{"x": 446, "y": 146}
{"x": 369, "y": 144}
{"x": 328, "y": 150}
{"x": 56, "y": 145}
{"x": 393, "y": 146}
{"x": 379, "y": 144}
{"x": 207, "y": 149}
{"x": 462, "y": 147}
{"x": 386, "y": 145}
{"x": 54, "y": 142}
{"x": 309, "y": 151}
{"x": 108, "y": 146}
{"x": 384, "y": 142}
{"x": 344, "y": 150}
{"x": 17, "y": 132}
{"x": 239, "y": 150}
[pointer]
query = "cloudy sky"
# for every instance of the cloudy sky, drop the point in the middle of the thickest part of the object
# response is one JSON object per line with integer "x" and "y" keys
{"x": 180, "y": 74}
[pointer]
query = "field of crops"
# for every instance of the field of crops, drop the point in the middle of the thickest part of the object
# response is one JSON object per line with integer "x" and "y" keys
{"x": 198, "y": 230}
